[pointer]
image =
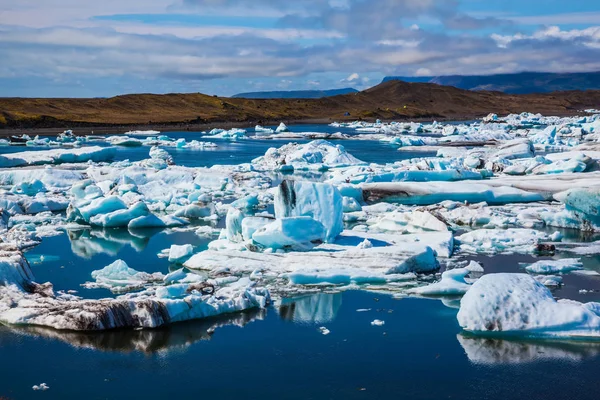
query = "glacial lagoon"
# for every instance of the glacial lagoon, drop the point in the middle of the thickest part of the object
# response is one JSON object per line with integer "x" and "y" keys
{"x": 315, "y": 339}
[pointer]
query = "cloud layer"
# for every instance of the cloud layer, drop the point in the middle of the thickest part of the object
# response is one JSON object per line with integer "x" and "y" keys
{"x": 297, "y": 44}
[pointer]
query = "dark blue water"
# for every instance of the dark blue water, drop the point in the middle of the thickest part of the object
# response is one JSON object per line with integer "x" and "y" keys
{"x": 280, "y": 353}
{"x": 417, "y": 354}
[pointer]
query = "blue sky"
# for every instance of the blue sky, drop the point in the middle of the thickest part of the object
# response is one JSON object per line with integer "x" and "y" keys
{"x": 82, "y": 48}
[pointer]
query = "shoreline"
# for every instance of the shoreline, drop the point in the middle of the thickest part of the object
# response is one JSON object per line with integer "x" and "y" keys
{"x": 190, "y": 127}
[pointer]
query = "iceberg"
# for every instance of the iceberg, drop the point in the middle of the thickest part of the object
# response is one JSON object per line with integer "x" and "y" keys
{"x": 282, "y": 128}
{"x": 119, "y": 277}
{"x": 57, "y": 156}
{"x": 321, "y": 201}
{"x": 177, "y": 254}
{"x": 425, "y": 193}
{"x": 318, "y": 154}
{"x": 452, "y": 284}
{"x": 290, "y": 231}
{"x": 550, "y": 267}
{"x": 498, "y": 241}
{"x": 24, "y": 302}
{"x": 517, "y": 304}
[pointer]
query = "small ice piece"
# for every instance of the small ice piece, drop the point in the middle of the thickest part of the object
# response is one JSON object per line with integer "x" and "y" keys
{"x": 119, "y": 275}
{"x": 363, "y": 309}
{"x": 452, "y": 283}
{"x": 282, "y": 128}
{"x": 550, "y": 267}
{"x": 288, "y": 232}
{"x": 324, "y": 330}
{"x": 153, "y": 221}
{"x": 120, "y": 218}
{"x": 233, "y": 225}
{"x": 178, "y": 254}
{"x": 517, "y": 304}
{"x": 474, "y": 266}
{"x": 321, "y": 201}
{"x": 365, "y": 244}
{"x": 377, "y": 322}
{"x": 496, "y": 241}
{"x": 549, "y": 280}
{"x": 41, "y": 386}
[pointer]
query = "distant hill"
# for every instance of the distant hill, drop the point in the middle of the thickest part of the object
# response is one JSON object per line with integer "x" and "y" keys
{"x": 295, "y": 94}
{"x": 393, "y": 100}
{"x": 521, "y": 83}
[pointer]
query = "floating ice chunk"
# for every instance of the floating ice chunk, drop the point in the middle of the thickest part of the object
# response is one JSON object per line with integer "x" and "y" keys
{"x": 124, "y": 141}
{"x": 282, "y": 128}
{"x": 120, "y": 218}
{"x": 42, "y": 386}
{"x": 424, "y": 193}
{"x": 324, "y": 330}
{"x": 28, "y": 303}
{"x": 318, "y": 153}
{"x": 549, "y": 280}
{"x": 178, "y": 254}
{"x": 262, "y": 131}
{"x": 365, "y": 244}
{"x": 517, "y": 304}
{"x": 142, "y": 133}
{"x": 518, "y": 148}
{"x": 495, "y": 241}
{"x": 154, "y": 221}
{"x": 233, "y": 225}
{"x": 549, "y": 267}
{"x": 452, "y": 283}
{"x": 474, "y": 266}
{"x": 583, "y": 205}
{"x": 289, "y": 231}
{"x": 377, "y": 322}
{"x": 57, "y": 156}
{"x": 195, "y": 211}
{"x": 409, "y": 222}
{"x": 320, "y": 201}
{"x": 252, "y": 224}
{"x": 119, "y": 276}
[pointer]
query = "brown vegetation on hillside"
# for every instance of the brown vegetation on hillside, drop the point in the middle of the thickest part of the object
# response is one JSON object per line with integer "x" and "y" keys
{"x": 390, "y": 100}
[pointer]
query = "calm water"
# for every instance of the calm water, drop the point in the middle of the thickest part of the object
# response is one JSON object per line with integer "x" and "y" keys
{"x": 420, "y": 352}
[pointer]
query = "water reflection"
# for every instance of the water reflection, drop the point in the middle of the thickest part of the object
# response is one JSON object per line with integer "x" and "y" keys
{"x": 171, "y": 338}
{"x": 317, "y": 308}
{"x": 490, "y": 351}
{"x": 87, "y": 243}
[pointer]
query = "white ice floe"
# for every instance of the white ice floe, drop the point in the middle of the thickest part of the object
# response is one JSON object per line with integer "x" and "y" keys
{"x": 318, "y": 154}
{"x": 178, "y": 254}
{"x": 550, "y": 267}
{"x": 517, "y": 304}
{"x": 452, "y": 283}
{"x": 377, "y": 322}
{"x": 289, "y": 231}
{"x": 119, "y": 277}
{"x": 24, "y": 302}
{"x": 501, "y": 241}
{"x": 57, "y": 156}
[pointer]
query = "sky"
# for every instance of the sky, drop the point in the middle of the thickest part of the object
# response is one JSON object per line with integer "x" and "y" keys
{"x": 101, "y": 48}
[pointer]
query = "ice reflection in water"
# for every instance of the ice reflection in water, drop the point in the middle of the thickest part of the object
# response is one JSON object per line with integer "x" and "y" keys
{"x": 491, "y": 351}
{"x": 317, "y": 308}
{"x": 171, "y": 338}
{"x": 87, "y": 243}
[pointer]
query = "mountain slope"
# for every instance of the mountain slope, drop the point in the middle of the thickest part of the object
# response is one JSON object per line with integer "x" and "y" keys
{"x": 521, "y": 83}
{"x": 390, "y": 100}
